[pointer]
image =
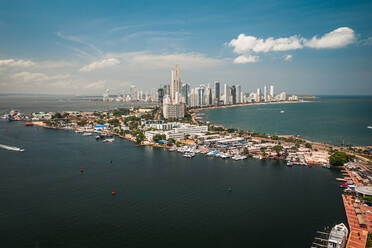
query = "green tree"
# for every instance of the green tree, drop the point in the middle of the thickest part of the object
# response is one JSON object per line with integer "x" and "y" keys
{"x": 114, "y": 122}
{"x": 308, "y": 145}
{"x": 158, "y": 137}
{"x": 82, "y": 122}
{"x": 339, "y": 158}
{"x": 171, "y": 141}
{"x": 140, "y": 137}
{"x": 277, "y": 149}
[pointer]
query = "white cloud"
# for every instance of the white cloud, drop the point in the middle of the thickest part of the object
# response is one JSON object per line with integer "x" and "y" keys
{"x": 16, "y": 63}
{"x": 338, "y": 38}
{"x": 245, "y": 44}
{"x": 288, "y": 57}
{"x": 244, "y": 59}
{"x": 26, "y": 76}
{"x": 107, "y": 62}
{"x": 151, "y": 60}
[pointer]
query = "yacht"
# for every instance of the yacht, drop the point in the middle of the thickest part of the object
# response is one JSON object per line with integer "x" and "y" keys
{"x": 282, "y": 111}
{"x": 86, "y": 134}
{"x": 12, "y": 148}
{"x": 370, "y": 127}
{"x": 189, "y": 154}
{"x": 108, "y": 140}
{"x": 338, "y": 236}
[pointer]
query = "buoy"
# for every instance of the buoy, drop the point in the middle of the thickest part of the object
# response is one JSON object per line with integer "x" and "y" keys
{"x": 113, "y": 193}
{"x": 81, "y": 170}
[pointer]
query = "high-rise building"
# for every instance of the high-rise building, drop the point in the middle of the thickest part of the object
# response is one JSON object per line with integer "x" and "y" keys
{"x": 233, "y": 94}
{"x": 106, "y": 95}
{"x": 176, "y": 111}
{"x": 217, "y": 92}
{"x": 176, "y": 83}
{"x": 258, "y": 95}
{"x": 167, "y": 89}
{"x": 265, "y": 94}
{"x": 272, "y": 91}
{"x": 226, "y": 94}
{"x": 238, "y": 94}
{"x": 160, "y": 96}
{"x": 208, "y": 96}
{"x": 133, "y": 93}
{"x": 185, "y": 93}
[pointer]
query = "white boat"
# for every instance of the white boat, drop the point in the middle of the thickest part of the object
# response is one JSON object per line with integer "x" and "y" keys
{"x": 338, "y": 236}
{"x": 370, "y": 127}
{"x": 12, "y": 148}
{"x": 86, "y": 134}
{"x": 108, "y": 140}
{"x": 282, "y": 111}
{"x": 189, "y": 154}
{"x": 212, "y": 153}
{"x": 239, "y": 157}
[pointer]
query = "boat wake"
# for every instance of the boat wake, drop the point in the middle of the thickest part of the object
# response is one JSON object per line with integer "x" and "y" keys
{"x": 12, "y": 148}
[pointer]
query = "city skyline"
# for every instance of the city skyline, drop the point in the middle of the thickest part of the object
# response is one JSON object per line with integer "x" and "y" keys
{"x": 304, "y": 49}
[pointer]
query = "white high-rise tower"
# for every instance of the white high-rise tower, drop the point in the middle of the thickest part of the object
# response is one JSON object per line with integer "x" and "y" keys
{"x": 176, "y": 84}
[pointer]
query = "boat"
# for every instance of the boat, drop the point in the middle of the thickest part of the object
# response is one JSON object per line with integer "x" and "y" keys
{"x": 108, "y": 140}
{"x": 86, "y": 134}
{"x": 12, "y": 148}
{"x": 28, "y": 124}
{"x": 338, "y": 236}
{"x": 97, "y": 137}
{"x": 370, "y": 127}
{"x": 239, "y": 157}
{"x": 189, "y": 154}
{"x": 282, "y": 111}
{"x": 341, "y": 179}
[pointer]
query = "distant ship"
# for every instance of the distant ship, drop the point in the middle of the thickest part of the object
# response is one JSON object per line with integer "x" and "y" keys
{"x": 11, "y": 148}
{"x": 282, "y": 111}
{"x": 370, "y": 127}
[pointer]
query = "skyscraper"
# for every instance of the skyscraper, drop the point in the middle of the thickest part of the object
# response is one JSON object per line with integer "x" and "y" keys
{"x": 258, "y": 95}
{"x": 265, "y": 94}
{"x": 160, "y": 96}
{"x": 226, "y": 94}
{"x": 185, "y": 93}
{"x": 238, "y": 94}
{"x": 233, "y": 94}
{"x": 272, "y": 91}
{"x": 217, "y": 92}
{"x": 176, "y": 83}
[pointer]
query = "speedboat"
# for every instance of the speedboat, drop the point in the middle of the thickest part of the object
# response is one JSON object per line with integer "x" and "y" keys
{"x": 108, "y": 140}
{"x": 282, "y": 111}
{"x": 86, "y": 134}
{"x": 370, "y": 127}
{"x": 12, "y": 148}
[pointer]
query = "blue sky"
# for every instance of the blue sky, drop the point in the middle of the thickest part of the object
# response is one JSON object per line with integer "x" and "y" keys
{"x": 83, "y": 47}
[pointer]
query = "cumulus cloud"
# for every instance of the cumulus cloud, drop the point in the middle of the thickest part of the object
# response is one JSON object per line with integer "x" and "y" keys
{"x": 339, "y": 37}
{"x": 288, "y": 57}
{"x": 16, "y": 63}
{"x": 244, "y": 59}
{"x": 245, "y": 45}
{"x": 107, "y": 62}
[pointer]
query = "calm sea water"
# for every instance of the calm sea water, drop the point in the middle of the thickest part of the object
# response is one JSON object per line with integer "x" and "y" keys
{"x": 46, "y": 103}
{"x": 162, "y": 200}
{"x": 334, "y": 120}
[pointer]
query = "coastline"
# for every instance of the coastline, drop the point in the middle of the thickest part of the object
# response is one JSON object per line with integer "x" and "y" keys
{"x": 197, "y": 109}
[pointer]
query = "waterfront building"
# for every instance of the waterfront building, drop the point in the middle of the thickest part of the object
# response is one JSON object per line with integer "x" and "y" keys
{"x": 258, "y": 95}
{"x": 175, "y": 111}
{"x": 226, "y": 94}
{"x": 217, "y": 92}
{"x": 233, "y": 94}
{"x": 208, "y": 96}
{"x": 265, "y": 94}
{"x": 106, "y": 95}
{"x": 293, "y": 98}
{"x": 271, "y": 92}
{"x": 238, "y": 94}
{"x": 176, "y": 83}
{"x": 282, "y": 96}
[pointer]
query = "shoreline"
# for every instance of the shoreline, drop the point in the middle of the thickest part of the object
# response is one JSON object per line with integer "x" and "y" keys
{"x": 197, "y": 109}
